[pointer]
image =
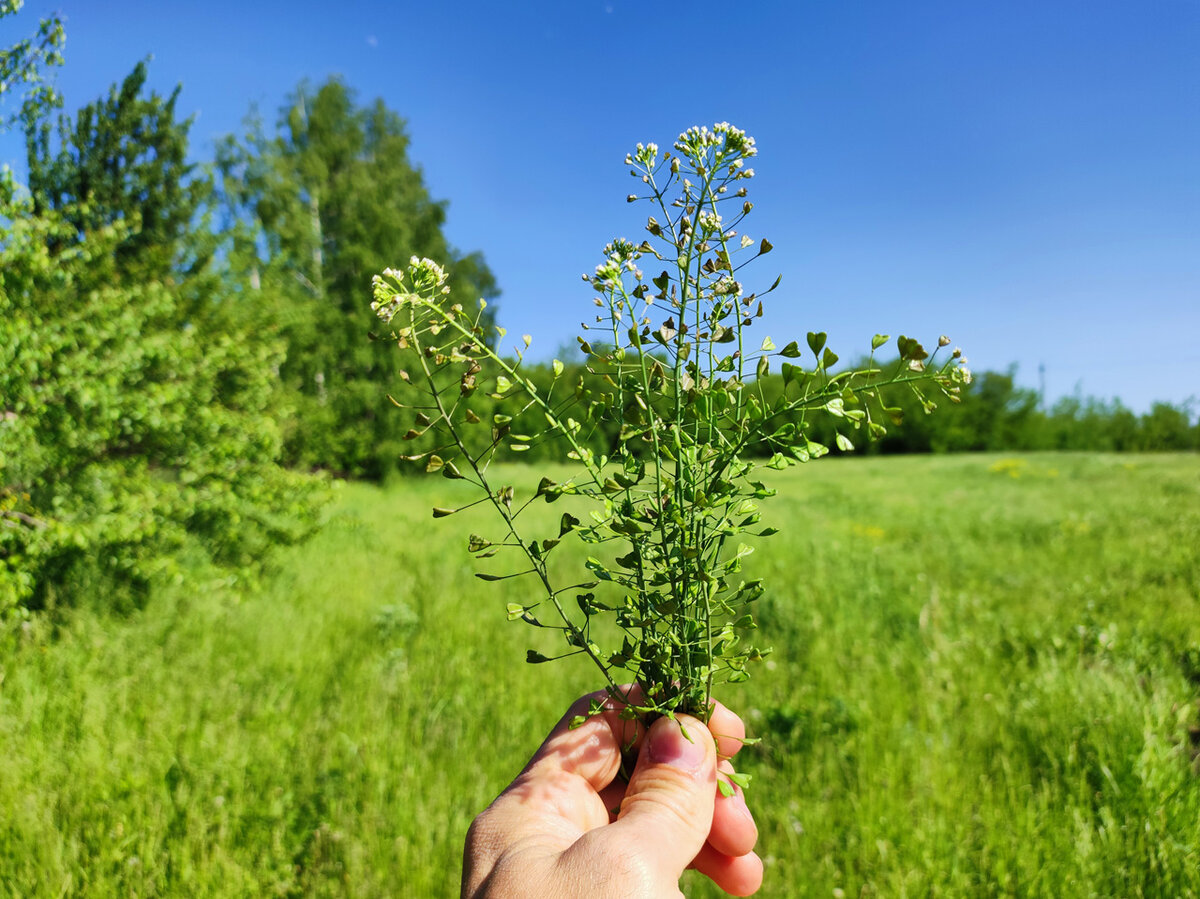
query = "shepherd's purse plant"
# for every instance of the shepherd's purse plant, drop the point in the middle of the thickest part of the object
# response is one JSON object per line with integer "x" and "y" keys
{"x": 674, "y": 374}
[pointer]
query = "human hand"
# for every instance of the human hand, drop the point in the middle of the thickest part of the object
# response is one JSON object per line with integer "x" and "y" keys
{"x": 553, "y": 832}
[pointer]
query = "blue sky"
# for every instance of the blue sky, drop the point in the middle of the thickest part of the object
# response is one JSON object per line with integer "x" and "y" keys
{"x": 1023, "y": 176}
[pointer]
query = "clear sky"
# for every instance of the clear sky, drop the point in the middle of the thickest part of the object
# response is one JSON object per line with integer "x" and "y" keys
{"x": 1022, "y": 176}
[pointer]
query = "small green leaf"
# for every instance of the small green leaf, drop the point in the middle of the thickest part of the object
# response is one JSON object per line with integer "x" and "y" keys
{"x": 597, "y": 568}
{"x": 725, "y": 788}
{"x": 435, "y": 463}
{"x": 879, "y": 340}
{"x": 515, "y": 610}
{"x": 739, "y": 778}
{"x": 844, "y": 444}
{"x": 791, "y": 351}
{"x": 816, "y": 341}
{"x": 828, "y": 359}
{"x": 558, "y": 368}
{"x": 533, "y": 657}
{"x": 768, "y": 345}
{"x": 440, "y": 512}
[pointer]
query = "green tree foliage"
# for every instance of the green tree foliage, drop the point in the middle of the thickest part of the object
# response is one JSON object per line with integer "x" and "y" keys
{"x": 995, "y": 414}
{"x": 1167, "y": 427}
{"x": 123, "y": 159}
{"x": 22, "y": 66}
{"x": 314, "y": 212}
{"x": 134, "y": 432}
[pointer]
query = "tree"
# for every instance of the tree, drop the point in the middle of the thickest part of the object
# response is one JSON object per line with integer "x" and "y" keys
{"x": 331, "y": 199}
{"x": 22, "y": 66}
{"x": 123, "y": 158}
{"x": 1166, "y": 427}
{"x": 134, "y": 432}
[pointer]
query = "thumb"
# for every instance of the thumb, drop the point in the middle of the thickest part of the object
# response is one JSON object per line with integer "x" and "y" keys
{"x": 668, "y": 805}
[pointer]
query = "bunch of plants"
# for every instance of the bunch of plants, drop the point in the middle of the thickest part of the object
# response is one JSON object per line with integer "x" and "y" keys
{"x": 674, "y": 371}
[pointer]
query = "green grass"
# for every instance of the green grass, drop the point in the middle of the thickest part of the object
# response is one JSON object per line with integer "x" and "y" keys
{"x": 981, "y": 686}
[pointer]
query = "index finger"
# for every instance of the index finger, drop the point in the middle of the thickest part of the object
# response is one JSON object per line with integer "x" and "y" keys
{"x": 727, "y": 729}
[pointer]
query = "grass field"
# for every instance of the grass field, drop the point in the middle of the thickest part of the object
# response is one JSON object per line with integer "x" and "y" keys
{"x": 985, "y": 683}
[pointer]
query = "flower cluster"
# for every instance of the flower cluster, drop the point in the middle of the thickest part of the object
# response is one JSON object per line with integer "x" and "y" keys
{"x": 620, "y": 255}
{"x": 386, "y": 302}
{"x": 723, "y": 137}
{"x": 646, "y": 154}
{"x": 424, "y": 275}
{"x": 709, "y": 222}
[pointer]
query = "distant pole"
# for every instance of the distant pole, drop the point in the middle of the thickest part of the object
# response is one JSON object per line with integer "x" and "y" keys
{"x": 1042, "y": 386}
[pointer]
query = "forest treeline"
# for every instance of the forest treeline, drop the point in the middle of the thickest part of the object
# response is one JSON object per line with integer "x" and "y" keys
{"x": 994, "y": 415}
{"x": 184, "y": 349}
{"x": 185, "y": 352}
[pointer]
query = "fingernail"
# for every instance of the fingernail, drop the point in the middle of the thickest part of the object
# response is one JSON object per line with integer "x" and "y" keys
{"x": 667, "y": 745}
{"x": 740, "y": 804}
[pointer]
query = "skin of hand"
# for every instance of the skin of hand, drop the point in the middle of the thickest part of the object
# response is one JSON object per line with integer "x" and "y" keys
{"x": 553, "y": 832}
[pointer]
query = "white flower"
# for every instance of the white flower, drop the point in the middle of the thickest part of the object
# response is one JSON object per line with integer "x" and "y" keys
{"x": 426, "y": 274}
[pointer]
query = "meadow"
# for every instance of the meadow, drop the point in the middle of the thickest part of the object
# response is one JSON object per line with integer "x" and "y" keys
{"x": 985, "y": 683}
